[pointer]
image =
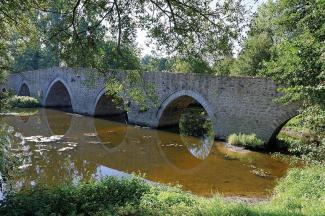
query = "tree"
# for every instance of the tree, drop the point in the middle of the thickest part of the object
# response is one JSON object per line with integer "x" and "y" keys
{"x": 257, "y": 51}
{"x": 224, "y": 67}
{"x": 258, "y": 43}
{"x": 190, "y": 28}
{"x": 15, "y": 17}
{"x": 297, "y": 58}
{"x": 191, "y": 65}
{"x": 152, "y": 63}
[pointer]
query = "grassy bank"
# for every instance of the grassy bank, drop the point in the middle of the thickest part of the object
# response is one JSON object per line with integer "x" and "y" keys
{"x": 301, "y": 192}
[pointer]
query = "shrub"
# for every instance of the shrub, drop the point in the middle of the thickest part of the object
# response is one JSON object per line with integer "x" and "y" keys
{"x": 245, "y": 140}
{"x": 104, "y": 196}
{"x": 23, "y": 102}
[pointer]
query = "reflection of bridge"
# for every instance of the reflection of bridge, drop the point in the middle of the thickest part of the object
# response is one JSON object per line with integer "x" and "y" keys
{"x": 234, "y": 104}
{"x": 132, "y": 149}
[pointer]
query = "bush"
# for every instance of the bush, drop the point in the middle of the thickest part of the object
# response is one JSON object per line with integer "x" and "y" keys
{"x": 23, "y": 102}
{"x": 250, "y": 141}
{"x": 309, "y": 151}
{"x": 104, "y": 196}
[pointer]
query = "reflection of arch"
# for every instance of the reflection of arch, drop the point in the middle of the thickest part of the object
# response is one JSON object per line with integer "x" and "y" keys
{"x": 58, "y": 94}
{"x": 182, "y": 161}
{"x": 58, "y": 122}
{"x": 110, "y": 134}
{"x": 170, "y": 110}
{"x": 24, "y": 118}
{"x": 24, "y": 90}
{"x": 105, "y": 106}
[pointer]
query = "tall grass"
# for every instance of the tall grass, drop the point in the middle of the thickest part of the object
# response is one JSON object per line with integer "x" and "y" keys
{"x": 301, "y": 192}
{"x": 245, "y": 140}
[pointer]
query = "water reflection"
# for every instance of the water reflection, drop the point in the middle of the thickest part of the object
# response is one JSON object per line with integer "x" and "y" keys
{"x": 113, "y": 135}
{"x": 89, "y": 148}
{"x": 196, "y": 130}
{"x": 58, "y": 122}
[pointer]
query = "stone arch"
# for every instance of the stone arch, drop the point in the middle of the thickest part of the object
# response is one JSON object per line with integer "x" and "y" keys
{"x": 105, "y": 106}
{"x": 278, "y": 124}
{"x": 58, "y": 94}
{"x": 24, "y": 90}
{"x": 170, "y": 110}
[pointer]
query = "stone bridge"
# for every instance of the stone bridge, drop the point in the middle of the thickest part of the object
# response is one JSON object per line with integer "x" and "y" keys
{"x": 234, "y": 104}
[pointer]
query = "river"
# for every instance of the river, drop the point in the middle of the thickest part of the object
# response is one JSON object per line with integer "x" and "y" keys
{"x": 56, "y": 146}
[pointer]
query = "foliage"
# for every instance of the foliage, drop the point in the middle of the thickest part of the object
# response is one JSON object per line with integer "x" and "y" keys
{"x": 191, "y": 65}
{"x": 310, "y": 152}
{"x": 32, "y": 58}
{"x": 190, "y": 27}
{"x": 286, "y": 43}
{"x": 301, "y": 192}
{"x": 104, "y": 196}
{"x": 67, "y": 31}
{"x": 258, "y": 43}
{"x": 9, "y": 162}
{"x": 250, "y": 141}
{"x": 23, "y": 102}
{"x": 254, "y": 55}
{"x": 153, "y": 63}
{"x": 223, "y": 67}
{"x": 195, "y": 122}
{"x": 128, "y": 86}
{"x": 14, "y": 17}
{"x": 300, "y": 136}
{"x": 4, "y": 96}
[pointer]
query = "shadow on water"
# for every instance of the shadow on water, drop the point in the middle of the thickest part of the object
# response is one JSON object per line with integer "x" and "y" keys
{"x": 57, "y": 147}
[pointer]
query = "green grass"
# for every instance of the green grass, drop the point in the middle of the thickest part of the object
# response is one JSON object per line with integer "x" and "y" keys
{"x": 22, "y": 102}
{"x": 245, "y": 140}
{"x": 301, "y": 192}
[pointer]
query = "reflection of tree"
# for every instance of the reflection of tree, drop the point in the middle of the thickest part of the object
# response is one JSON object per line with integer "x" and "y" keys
{"x": 196, "y": 130}
{"x": 40, "y": 162}
{"x": 9, "y": 161}
{"x": 51, "y": 167}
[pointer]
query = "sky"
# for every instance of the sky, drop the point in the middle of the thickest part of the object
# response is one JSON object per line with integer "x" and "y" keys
{"x": 142, "y": 38}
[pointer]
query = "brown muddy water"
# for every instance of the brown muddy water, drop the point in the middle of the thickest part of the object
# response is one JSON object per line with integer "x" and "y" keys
{"x": 55, "y": 147}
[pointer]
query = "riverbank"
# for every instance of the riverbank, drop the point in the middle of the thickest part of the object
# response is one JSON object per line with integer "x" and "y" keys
{"x": 301, "y": 192}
